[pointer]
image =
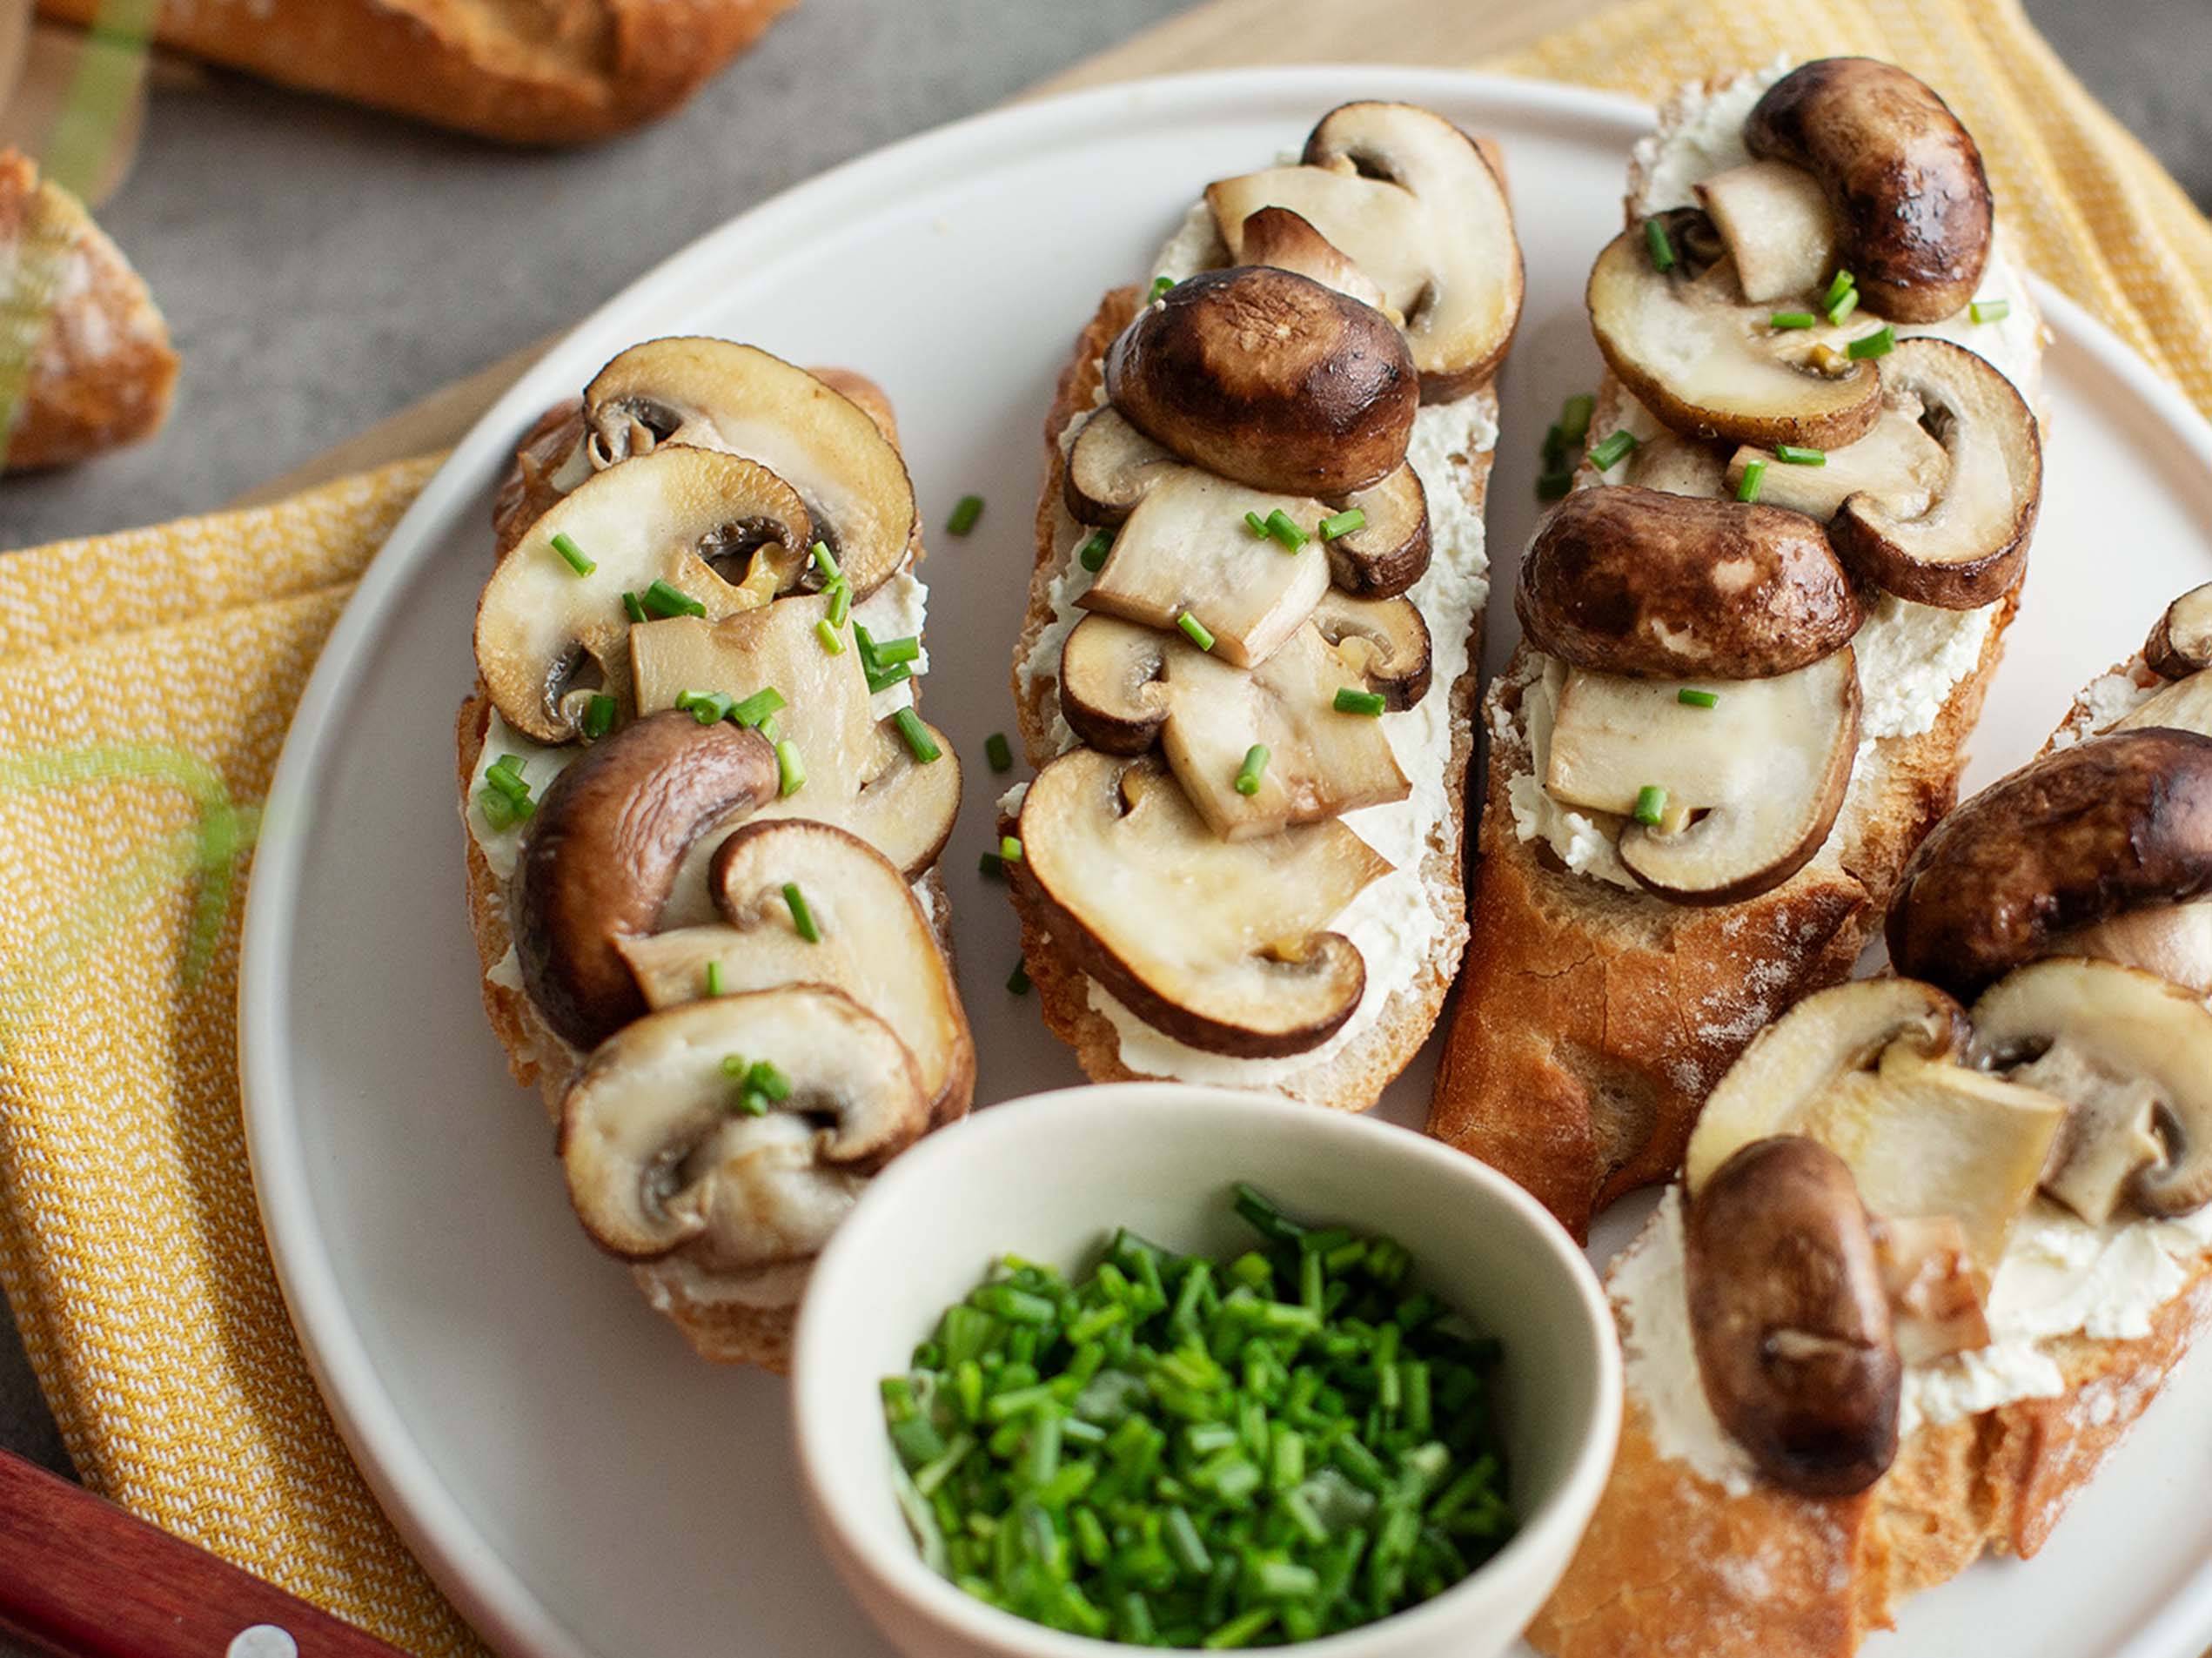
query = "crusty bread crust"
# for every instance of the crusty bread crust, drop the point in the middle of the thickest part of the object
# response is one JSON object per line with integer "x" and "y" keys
{"x": 1354, "y": 1077}
{"x": 559, "y": 71}
{"x": 1674, "y": 1564}
{"x": 102, "y": 372}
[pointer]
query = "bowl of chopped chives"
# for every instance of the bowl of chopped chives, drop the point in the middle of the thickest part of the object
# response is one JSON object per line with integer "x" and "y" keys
{"x": 1165, "y": 1366}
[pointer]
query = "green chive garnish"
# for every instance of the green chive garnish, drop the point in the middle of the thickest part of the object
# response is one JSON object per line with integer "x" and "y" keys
{"x": 920, "y": 743}
{"x": 598, "y": 714}
{"x": 1655, "y": 238}
{"x": 1840, "y": 311}
{"x": 1553, "y": 485}
{"x": 824, "y": 561}
{"x": 1161, "y": 284}
{"x": 833, "y": 642}
{"x": 1094, "y": 551}
{"x": 713, "y": 978}
{"x": 1606, "y": 454}
{"x": 841, "y": 602}
{"x": 1010, "y": 850}
{"x": 991, "y": 866}
{"x": 1795, "y": 455}
{"x": 1280, "y": 527}
{"x": 999, "y": 752}
{"x": 1839, "y": 285}
{"x": 1880, "y": 343}
{"x": 1555, "y": 448}
{"x": 1651, "y": 803}
{"x": 1195, "y": 631}
{"x": 1747, "y": 486}
{"x": 708, "y": 708}
{"x": 1344, "y": 523}
{"x": 755, "y": 709}
{"x": 883, "y": 679}
{"x": 1257, "y": 525}
{"x": 965, "y": 515}
{"x": 503, "y": 812}
{"x": 1017, "y": 982}
{"x": 802, "y": 917}
{"x": 790, "y": 770}
{"x": 1694, "y": 699}
{"x": 1255, "y": 765}
{"x": 1350, "y": 700}
{"x": 633, "y": 607}
{"x": 1990, "y": 310}
{"x": 564, "y": 545}
{"x": 768, "y": 1079}
{"x": 505, "y": 775}
{"x": 1574, "y": 417}
{"x": 889, "y": 652}
{"x": 1791, "y": 319}
{"x": 663, "y": 600}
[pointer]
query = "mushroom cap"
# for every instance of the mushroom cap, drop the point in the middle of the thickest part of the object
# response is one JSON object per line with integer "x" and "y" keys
{"x": 1790, "y": 1318}
{"x": 1640, "y": 582}
{"x": 1270, "y": 379}
{"x": 2180, "y": 644}
{"x": 547, "y": 635}
{"x": 600, "y": 856}
{"x": 1774, "y": 218}
{"x": 1903, "y": 177}
{"x": 660, "y": 1159}
{"x": 2116, "y": 824}
{"x": 1969, "y": 546}
{"x": 1898, "y": 463}
{"x": 715, "y": 394}
{"x": 1389, "y": 552}
{"x": 1220, "y": 946}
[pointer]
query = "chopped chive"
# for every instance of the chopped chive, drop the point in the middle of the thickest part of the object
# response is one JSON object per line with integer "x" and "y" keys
{"x": 841, "y": 602}
{"x": 751, "y": 1101}
{"x": 662, "y": 600}
{"x": 1791, "y": 319}
{"x": 1344, "y": 523}
{"x": 598, "y": 714}
{"x": 1651, "y": 804}
{"x": 1094, "y": 550}
{"x": 1990, "y": 310}
{"x": 769, "y": 1079}
{"x": 503, "y": 812}
{"x": 1195, "y": 631}
{"x": 755, "y": 709}
{"x": 991, "y": 866}
{"x": 566, "y": 546}
{"x": 889, "y": 652}
{"x": 1574, "y": 416}
{"x": 1280, "y": 527}
{"x": 1161, "y": 284}
{"x": 1840, "y": 311}
{"x": 1747, "y": 485}
{"x": 1553, "y": 485}
{"x": 713, "y": 978}
{"x": 1696, "y": 699}
{"x": 964, "y": 515}
{"x": 708, "y": 708}
{"x": 1795, "y": 455}
{"x": 802, "y": 919}
{"x": 1839, "y": 285}
{"x": 1606, "y": 454}
{"x": 884, "y": 679}
{"x": 1880, "y": 343}
{"x": 1257, "y": 525}
{"x": 1010, "y": 850}
{"x": 1249, "y": 774}
{"x": 505, "y": 775}
{"x": 1017, "y": 982}
{"x": 824, "y": 561}
{"x": 920, "y": 743}
{"x": 1350, "y": 700}
{"x": 1555, "y": 448}
{"x": 632, "y": 606}
{"x": 998, "y": 752}
{"x": 790, "y": 769}
{"x": 833, "y": 642}
{"x": 1655, "y": 238}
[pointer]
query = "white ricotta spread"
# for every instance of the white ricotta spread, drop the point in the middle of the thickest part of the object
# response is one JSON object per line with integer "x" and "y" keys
{"x": 2060, "y": 1277}
{"x": 2106, "y": 700}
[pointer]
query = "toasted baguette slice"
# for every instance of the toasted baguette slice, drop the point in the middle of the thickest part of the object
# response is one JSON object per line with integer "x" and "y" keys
{"x": 719, "y": 1328}
{"x": 1675, "y": 1563}
{"x": 1352, "y": 1074}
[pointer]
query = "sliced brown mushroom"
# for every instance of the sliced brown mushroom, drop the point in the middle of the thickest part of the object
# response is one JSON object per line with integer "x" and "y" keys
{"x": 660, "y": 1156}
{"x": 545, "y": 469}
{"x": 714, "y": 394}
{"x": 1111, "y": 467}
{"x": 2119, "y": 823}
{"x": 1675, "y": 466}
{"x": 860, "y": 773}
{"x": 1278, "y": 236}
{"x": 1875, "y": 1071}
{"x": 1965, "y": 549}
{"x": 1751, "y": 785}
{"x": 1223, "y": 947}
{"x": 2181, "y": 705}
{"x": 549, "y": 636}
{"x": 599, "y": 859}
{"x": 1270, "y": 380}
{"x": 1383, "y": 640}
{"x": 2181, "y": 643}
{"x": 1898, "y": 463}
{"x": 1901, "y": 175}
{"x": 1708, "y": 362}
{"x": 1774, "y": 218}
{"x": 1123, "y": 686}
{"x": 1636, "y": 581}
{"x": 1390, "y": 551}
{"x": 873, "y": 943}
{"x": 1790, "y": 1318}
{"x": 1415, "y": 204}
{"x": 1939, "y": 1296}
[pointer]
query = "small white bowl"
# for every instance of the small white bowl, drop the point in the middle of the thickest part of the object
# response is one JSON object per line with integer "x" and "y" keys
{"x": 1048, "y": 1177}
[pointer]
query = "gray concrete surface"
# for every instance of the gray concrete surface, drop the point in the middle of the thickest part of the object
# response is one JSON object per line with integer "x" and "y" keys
{"x": 323, "y": 266}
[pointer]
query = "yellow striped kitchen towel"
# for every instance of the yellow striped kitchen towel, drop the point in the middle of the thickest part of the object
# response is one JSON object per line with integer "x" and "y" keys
{"x": 145, "y": 682}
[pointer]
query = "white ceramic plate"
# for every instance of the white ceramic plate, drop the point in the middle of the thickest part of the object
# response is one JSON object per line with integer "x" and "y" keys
{"x": 573, "y": 1478}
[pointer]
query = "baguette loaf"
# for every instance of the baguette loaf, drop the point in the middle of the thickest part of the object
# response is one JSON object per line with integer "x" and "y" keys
{"x": 1352, "y": 1073}
{"x": 543, "y": 72}
{"x": 100, "y": 369}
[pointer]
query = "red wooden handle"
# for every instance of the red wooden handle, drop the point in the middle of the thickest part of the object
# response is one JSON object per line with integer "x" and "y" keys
{"x": 81, "y": 1578}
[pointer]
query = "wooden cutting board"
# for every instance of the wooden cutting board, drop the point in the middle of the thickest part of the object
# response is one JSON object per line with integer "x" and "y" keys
{"x": 1222, "y": 34}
